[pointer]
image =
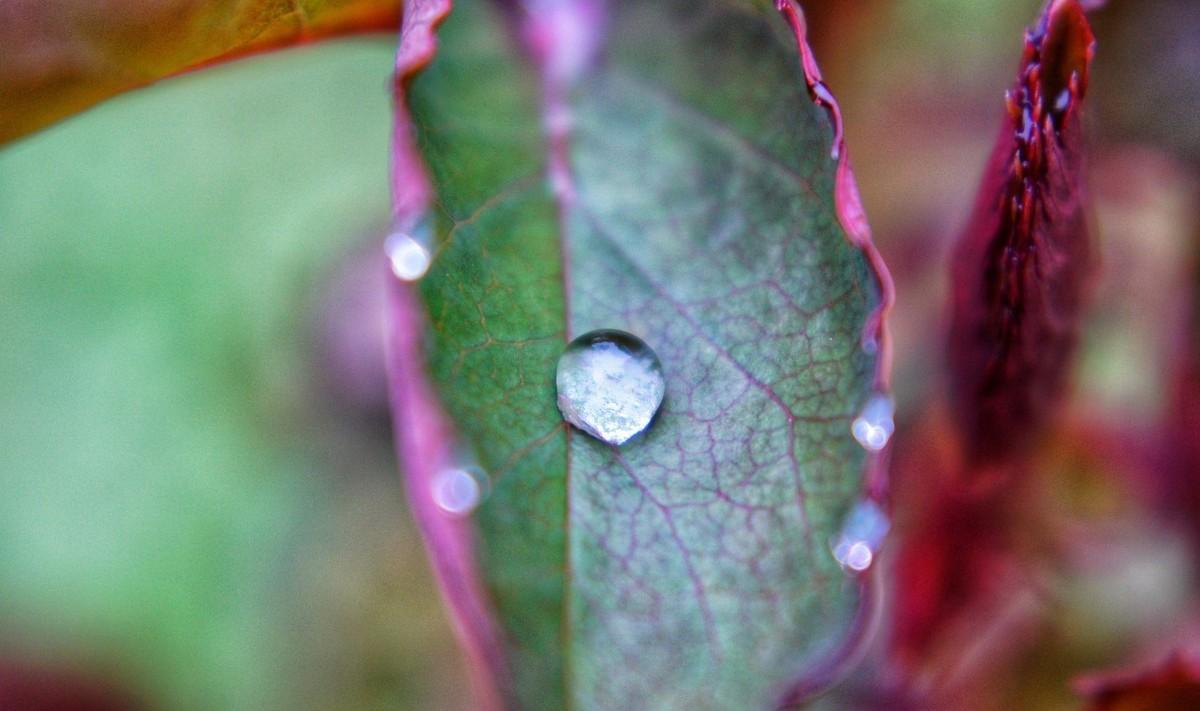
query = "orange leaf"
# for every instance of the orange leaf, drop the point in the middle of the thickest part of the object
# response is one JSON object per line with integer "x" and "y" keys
{"x": 59, "y": 57}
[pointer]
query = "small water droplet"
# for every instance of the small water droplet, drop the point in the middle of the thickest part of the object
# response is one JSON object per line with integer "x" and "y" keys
{"x": 823, "y": 94}
{"x": 825, "y": 98}
{"x": 458, "y": 491}
{"x": 875, "y": 424}
{"x": 410, "y": 259}
{"x": 610, "y": 384}
{"x": 861, "y": 536}
{"x": 1063, "y": 101}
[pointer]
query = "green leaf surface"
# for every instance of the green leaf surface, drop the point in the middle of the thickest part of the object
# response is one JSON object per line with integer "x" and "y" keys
{"x": 692, "y": 203}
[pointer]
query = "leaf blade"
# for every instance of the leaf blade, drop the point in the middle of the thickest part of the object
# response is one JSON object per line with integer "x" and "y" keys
{"x": 708, "y": 280}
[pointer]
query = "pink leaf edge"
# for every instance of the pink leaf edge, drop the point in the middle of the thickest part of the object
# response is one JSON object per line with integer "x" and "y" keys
{"x": 424, "y": 436}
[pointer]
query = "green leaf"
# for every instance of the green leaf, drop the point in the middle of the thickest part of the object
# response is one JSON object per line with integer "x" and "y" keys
{"x": 677, "y": 184}
{"x": 58, "y": 57}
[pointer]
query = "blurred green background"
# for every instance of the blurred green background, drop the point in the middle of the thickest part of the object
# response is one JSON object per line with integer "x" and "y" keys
{"x": 189, "y": 502}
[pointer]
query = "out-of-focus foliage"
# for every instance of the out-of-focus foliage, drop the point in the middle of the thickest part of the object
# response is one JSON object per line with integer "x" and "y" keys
{"x": 58, "y": 57}
{"x": 1091, "y": 575}
{"x": 1172, "y": 684}
{"x": 185, "y": 505}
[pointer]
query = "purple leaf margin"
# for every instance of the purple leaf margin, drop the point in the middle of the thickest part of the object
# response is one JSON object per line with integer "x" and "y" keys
{"x": 876, "y": 337}
{"x": 424, "y": 437}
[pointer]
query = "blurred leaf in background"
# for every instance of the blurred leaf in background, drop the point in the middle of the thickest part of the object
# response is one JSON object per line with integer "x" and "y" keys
{"x": 59, "y": 57}
{"x": 184, "y": 502}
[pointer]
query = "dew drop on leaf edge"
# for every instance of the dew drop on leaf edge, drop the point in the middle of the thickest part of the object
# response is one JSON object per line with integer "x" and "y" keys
{"x": 610, "y": 385}
{"x": 861, "y": 536}
{"x": 458, "y": 491}
{"x": 409, "y": 258}
{"x": 875, "y": 423}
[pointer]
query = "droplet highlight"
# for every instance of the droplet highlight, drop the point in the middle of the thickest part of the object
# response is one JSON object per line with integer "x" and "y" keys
{"x": 410, "y": 259}
{"x": 610, "y": 385}
{"x": 875, "y": 424}
{"x": 458, "y": 491}
{"x": 861, "y": 537}
{"x": 1063, "y": 101}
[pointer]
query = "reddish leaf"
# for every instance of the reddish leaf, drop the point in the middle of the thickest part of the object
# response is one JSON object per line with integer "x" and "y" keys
{"x": 958, "y": 586}
{"x": 31, "y": 686}
{"x": 1181, "y": 455}
{"x": 946, "y": 567}
{"x": 1021, "y": 267}
{"x": 1171, "y": 685}
{"x": 58, "y": 57}
{"x": 1019, "y": 276}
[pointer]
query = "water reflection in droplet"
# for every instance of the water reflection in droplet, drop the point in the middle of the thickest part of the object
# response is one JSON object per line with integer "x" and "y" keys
{"x": 875, "y": 424}
{"x": 410, "y": 259}
{"x": 458, "y": 491}
{"x": 610, "y": 384}
{"x": 861, "y": 537}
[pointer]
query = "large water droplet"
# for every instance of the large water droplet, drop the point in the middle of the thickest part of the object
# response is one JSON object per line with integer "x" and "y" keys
{"x": 410, "y": 259}
{"x": 861, "y": 536}
{"x": 610, "y": 384}
{"x": 875, "y": 424}
{"x": 458, "y": 491}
